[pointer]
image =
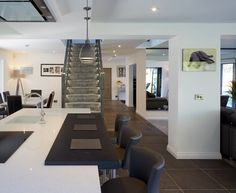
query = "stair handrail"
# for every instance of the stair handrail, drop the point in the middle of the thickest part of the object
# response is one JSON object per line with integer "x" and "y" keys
{"x": 101, "y": 74}
{"x": 64, "y": 76}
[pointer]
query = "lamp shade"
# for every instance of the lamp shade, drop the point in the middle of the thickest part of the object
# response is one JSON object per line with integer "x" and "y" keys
{"x": 26, "y": 70}
{"x": 87, "y": 53}
{"x": 15, "y": 74}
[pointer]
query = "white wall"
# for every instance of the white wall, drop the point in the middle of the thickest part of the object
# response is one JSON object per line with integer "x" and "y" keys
{"x": 139, "y": 58}
{"x": 113, "y": 64}
{"x": 35, "y": 81}
{"x": 194, "y": 125}
{"x": 8, "y": 63}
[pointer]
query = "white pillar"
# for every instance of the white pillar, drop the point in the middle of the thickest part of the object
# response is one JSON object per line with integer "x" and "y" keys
{"x": 194, "y": 125}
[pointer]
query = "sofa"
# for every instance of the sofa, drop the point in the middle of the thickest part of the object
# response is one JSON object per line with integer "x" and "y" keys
{"x": 228, "y": 133}
{"x": 155, "y": 103}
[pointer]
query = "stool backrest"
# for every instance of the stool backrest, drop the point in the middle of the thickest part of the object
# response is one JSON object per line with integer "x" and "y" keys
{"x": 146, "y": 165}
{"x": 129, "y": 138}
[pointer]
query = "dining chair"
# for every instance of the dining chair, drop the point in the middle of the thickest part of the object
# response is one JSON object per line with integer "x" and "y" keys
{"x": 14, "y": 103}
{"x": 50, "y": 100}
{"x": 3, "y": 110}
{"x": 36, "y": 91}
{"x": 224, "y": 100}
{"x": 145, "y": 171}
{"x": 120, "y": 121}
{"x": 5, "y": 94}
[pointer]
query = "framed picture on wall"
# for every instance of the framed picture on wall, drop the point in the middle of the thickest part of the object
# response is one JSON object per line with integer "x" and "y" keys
{"x": 121, "y": 71}
{"x": 199, "y": 59}
{"x": 51, "y": 69}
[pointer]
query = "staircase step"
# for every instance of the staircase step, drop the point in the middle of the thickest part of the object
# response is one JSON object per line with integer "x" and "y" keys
{"x": 83, "y": 83}
{"x": 76, "y": 63}
{"x": 95, "y": 106}
{"x": 83, "y": 97}
{"x": 82, "y": 76}
{"x": 80, "y": 69}
{"x": 83, "y": 90}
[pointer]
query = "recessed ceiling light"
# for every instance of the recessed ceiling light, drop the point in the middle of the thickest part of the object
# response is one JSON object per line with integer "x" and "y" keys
{"x": 115, "y": 55}
{"x": 154, "y": 9}
{"x": 114, "y": 51}
{"x": 119, "y": 46}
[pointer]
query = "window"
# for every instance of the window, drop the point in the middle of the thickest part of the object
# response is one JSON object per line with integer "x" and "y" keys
{"x": 227, "y": 76}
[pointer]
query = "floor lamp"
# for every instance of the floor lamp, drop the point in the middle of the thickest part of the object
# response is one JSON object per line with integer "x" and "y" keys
{"x": 19, "y": 74}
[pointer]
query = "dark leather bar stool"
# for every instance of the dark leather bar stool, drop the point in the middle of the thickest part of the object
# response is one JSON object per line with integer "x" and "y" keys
{"x": 121, "y": 121}
{"x": 145, "y": 171}
{"x": 129, "y": 138}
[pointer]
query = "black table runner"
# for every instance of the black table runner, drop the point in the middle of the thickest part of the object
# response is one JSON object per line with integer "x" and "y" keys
{"x": 62, "y": 154}
{"x": 10, "y": 141}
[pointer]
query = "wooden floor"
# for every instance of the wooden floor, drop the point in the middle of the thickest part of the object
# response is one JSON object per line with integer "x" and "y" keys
{"x": 179, "y": 176}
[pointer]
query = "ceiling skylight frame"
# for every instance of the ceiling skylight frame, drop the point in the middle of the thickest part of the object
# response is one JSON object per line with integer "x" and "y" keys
{"x": 41, "y": 12}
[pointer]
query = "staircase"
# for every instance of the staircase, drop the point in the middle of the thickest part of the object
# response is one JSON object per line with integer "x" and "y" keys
{"x": 82, "y": 84}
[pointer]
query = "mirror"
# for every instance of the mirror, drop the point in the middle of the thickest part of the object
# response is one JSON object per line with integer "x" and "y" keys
{"x": 157, "y": 67}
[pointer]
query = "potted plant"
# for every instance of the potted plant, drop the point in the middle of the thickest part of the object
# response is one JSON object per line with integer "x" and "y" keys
{"x": 232, "y": 92}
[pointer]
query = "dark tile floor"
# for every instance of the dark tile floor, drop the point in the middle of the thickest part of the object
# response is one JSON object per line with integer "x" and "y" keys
{"x": 179, "y": 176}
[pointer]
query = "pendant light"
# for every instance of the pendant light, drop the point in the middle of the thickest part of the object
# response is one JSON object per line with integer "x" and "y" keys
{"x": 87, "y": 54}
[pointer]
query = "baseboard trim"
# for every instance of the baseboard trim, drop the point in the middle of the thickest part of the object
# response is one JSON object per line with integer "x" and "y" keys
{"x": 193, "y": 155}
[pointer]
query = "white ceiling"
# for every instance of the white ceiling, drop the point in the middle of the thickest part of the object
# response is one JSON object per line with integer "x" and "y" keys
{"x": 70, "y": 22}
{"x": 168, "y": 11}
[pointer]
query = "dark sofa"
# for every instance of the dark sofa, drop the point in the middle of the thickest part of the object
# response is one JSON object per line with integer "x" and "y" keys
{"x": 228, "y": 133}
{"x": 155, "y": 103}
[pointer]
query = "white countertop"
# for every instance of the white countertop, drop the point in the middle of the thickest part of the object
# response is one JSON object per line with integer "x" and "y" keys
{"x": 25, "y": 172}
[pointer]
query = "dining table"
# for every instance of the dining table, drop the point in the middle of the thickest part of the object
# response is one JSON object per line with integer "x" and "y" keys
{"x": 24, "y": 170}
{"x": 30, "y": 102}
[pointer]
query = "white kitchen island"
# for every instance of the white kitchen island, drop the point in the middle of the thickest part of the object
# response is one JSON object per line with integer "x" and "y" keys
{"x": 25, "y": 172}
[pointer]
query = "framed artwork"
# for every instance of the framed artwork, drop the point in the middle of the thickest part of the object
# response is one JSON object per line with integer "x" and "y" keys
{"x": 121, "y": 71}
{"x": 199, "y": 60}
{"x": 51, "y": 69}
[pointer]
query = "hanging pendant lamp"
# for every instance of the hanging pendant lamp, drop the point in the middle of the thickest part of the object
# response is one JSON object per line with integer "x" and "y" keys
{"x": 87, "y": 54}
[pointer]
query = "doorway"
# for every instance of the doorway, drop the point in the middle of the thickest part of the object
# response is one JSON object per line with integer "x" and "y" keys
{"x": 107, "y": 83}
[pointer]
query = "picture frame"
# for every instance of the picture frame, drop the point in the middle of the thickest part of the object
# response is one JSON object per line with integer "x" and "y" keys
{"x": 53, "y": 70}
{"x": 199, "y": 59}
{"x": 121, "y": 71}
